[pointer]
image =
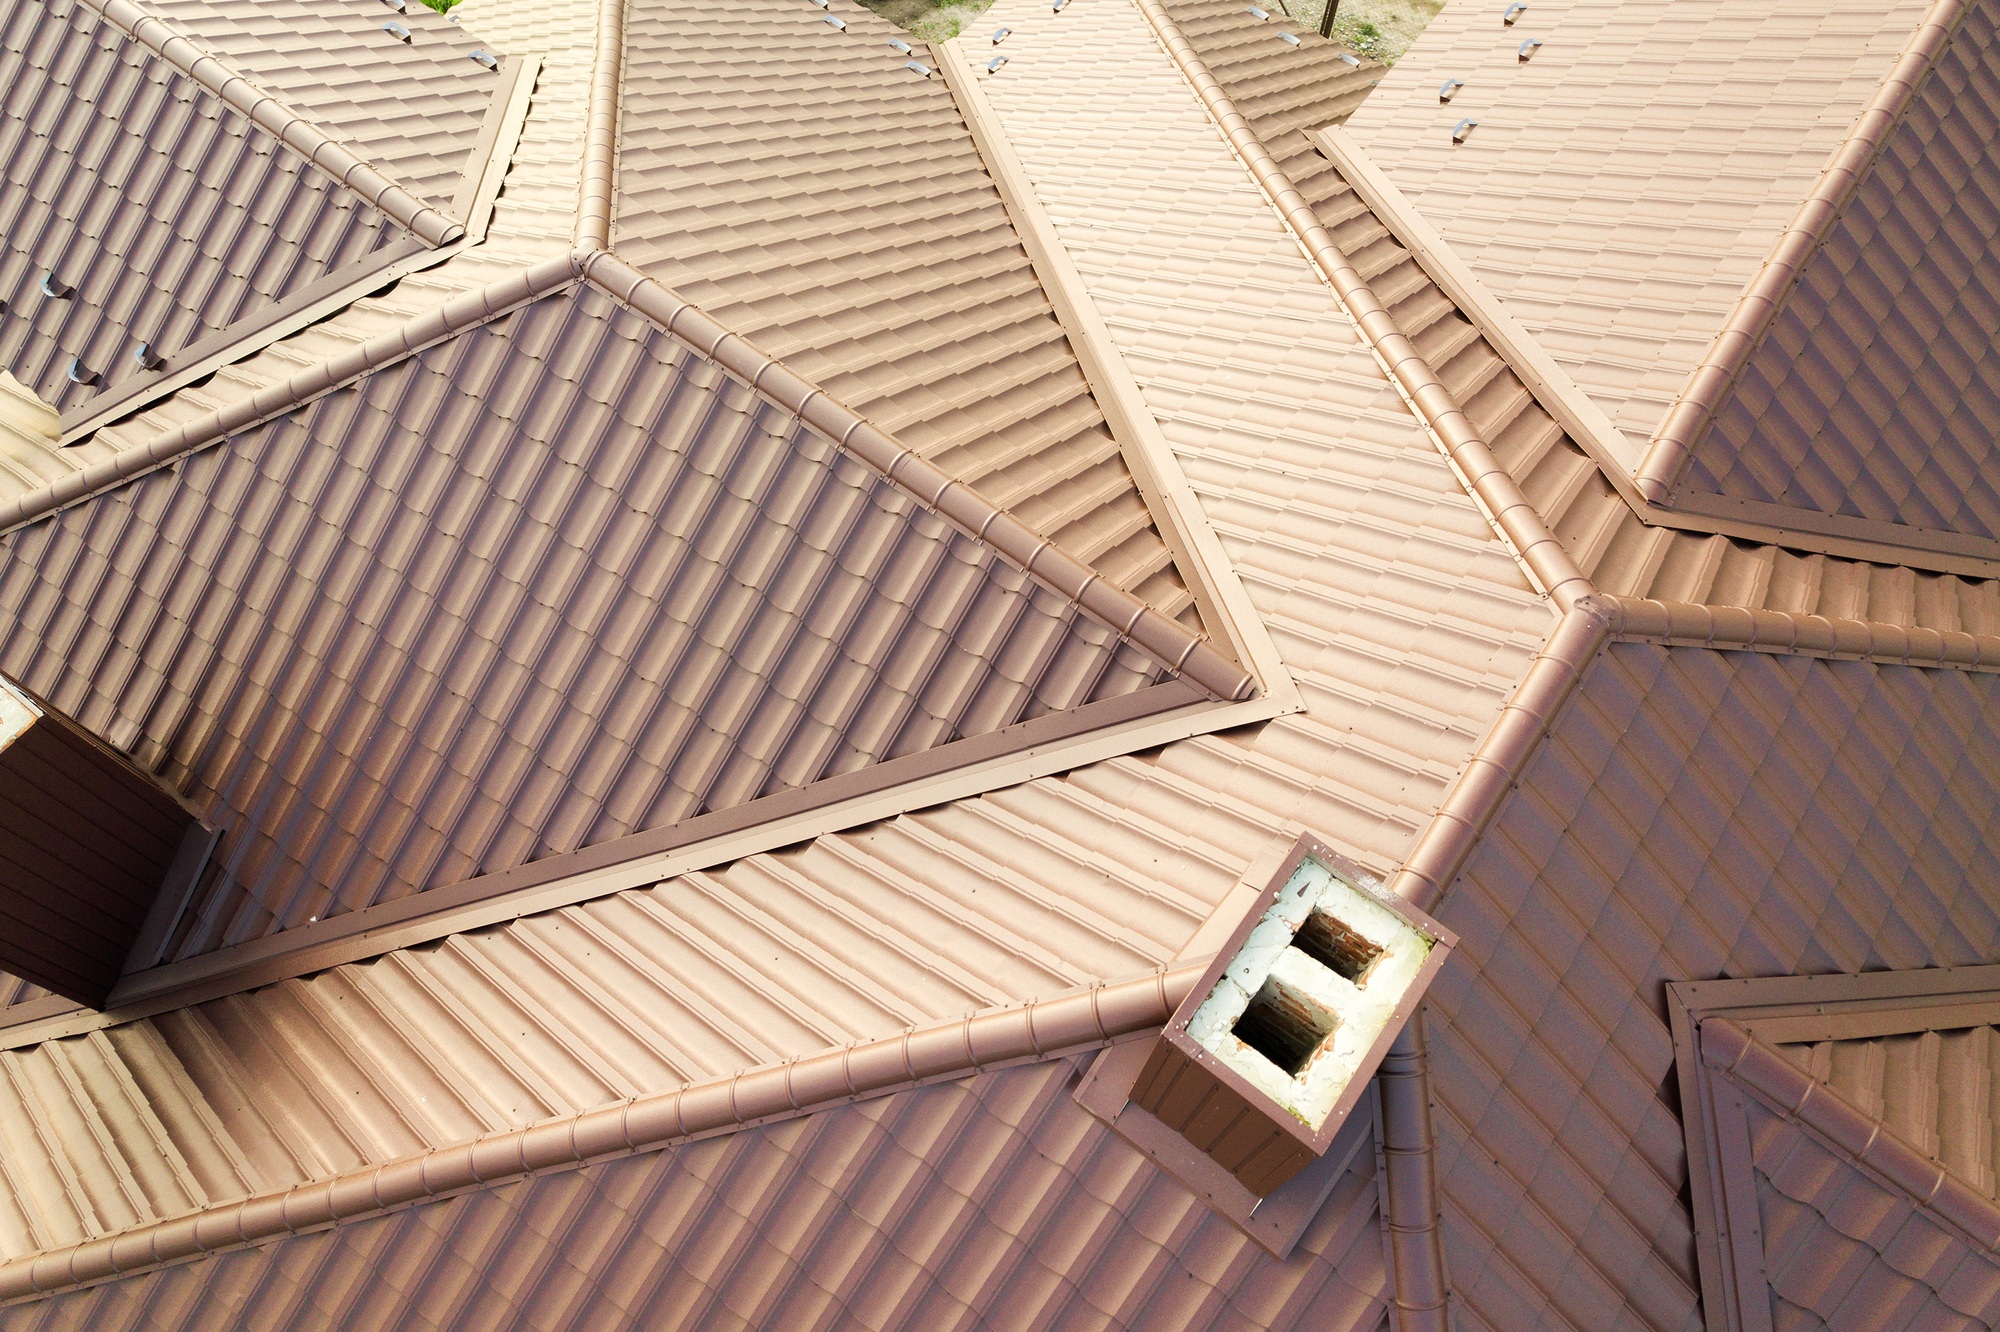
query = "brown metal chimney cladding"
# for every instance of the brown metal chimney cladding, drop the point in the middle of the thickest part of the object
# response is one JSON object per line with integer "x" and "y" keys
{"x": 86, "y": 840}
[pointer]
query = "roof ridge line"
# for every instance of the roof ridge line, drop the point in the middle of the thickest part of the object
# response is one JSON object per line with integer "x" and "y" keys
{"x": 1667, "y": 456}
{"x": 1688, "y": 624}
{"x": 1080, "y": 1019}
{"x": 290, "y": 128}
{"x": 600, "y": 134}
{"x": 1519, "y": 525}
{"x": 1496, "y": 765}
{"x": 454, "y": 316}
{"x": 1190, "y": 656}
{"x": 1226, "y": 609}
{"x": 1864, "y": 1139}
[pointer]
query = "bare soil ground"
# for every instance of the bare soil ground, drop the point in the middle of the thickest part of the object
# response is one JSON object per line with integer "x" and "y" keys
{"x": 932, "y": 20}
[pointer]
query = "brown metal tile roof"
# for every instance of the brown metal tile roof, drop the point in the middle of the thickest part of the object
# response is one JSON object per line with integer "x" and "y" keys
{"x": 1276, "y": 84}
{"x": 993, "y": 1201}
{"x": 165, "y": 216}
{"x": 1621, "y": 552}
{"x": 801, "y": 184}
{"x": 1694, "y": 814}
{"x": 1841, "y": 1249}
{"x": 412, "y": 109}
{"x": 1626, "y": 182}
{"x": 1934, "y": 1089}
{"x": 1874, "y": 391}
{"x": 610, "y": 590}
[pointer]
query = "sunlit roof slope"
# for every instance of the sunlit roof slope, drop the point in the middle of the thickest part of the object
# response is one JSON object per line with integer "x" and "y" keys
{"x": 552, "y": 580}
{"x": 814, "y": 192}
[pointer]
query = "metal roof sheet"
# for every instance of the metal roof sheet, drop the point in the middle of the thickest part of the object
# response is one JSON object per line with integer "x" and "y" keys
{"x": 163, "y": 215}
{"x": 1626, "y": 182}
{"x": 990, "y": 1201}
{"x": 1621, "y": 551}
{"x": 411, "y": 109}
{"x": 1842, "y": 1249}
{"x": 815, "y": 195}
{"x": 552, "y": 581}
{"x": 1694, "y": 814}
{"x": 1874, "y": 392}
{"x": 1933, "y": 1088}
{"x": 1403, "y": 621}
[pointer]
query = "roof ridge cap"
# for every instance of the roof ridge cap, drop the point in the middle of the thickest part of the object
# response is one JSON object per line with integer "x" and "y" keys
{"x": 1189, "y": 655}
{"x": 1689, "y": 624}
{"x": 279, "y": 120}
{"x": 1079, "y": 1019}
{"x": 1866, "y": 1140}
{"x": 600, "y": 135}
{"x": 1520, "y": 526}
{"x": 1665, "y": 461}
{"x": 454, "y": 316}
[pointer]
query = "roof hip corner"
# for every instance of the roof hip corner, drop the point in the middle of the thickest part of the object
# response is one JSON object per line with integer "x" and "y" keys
{"x": 1664, "y": 464}
{"x": 1187, "y": 654}
{"x": 1514, "y": 519}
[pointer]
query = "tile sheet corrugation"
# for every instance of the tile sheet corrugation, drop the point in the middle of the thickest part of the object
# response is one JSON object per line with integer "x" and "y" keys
{"x": 803, "y": 187}
{"x": 1403, "y": 622}
{"x": 1842, "y": 1250}
{"x": 1266, "y": 74}
{"x": 1625, "y": 183}
{"x": 550, "y": 582}
{"x": 993, "y": 1202}
{"x": 1934, "y": 1089}
{"x": 1695, "y": 814}
{"x": 531, "y": 220}
{"x": 412, "y": 110}
{"x": 171, "y": 216}
{"x": 1601, "y": 532}
{"x": 1876, "y": 391}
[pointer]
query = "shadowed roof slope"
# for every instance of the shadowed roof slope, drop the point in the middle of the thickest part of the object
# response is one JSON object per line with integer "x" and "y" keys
{"x": 162, "y": 212}
{"x": 412, "y": 110}
{"x": 550, "y": 582}
{"x": 814, "y": 194}
{"x": 164, "y": 215}
{"x": 1873, "y": 392}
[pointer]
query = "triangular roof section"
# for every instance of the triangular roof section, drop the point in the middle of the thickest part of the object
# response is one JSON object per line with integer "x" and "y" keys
{"x": 806, "y": 175}
{"x": 1858, "y": 376}
{"x": 1632, "y": 306}
{"x": 562, "y": 566}
{"x": 1840, "y": 1140}
{"x": 166, "y": 210}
